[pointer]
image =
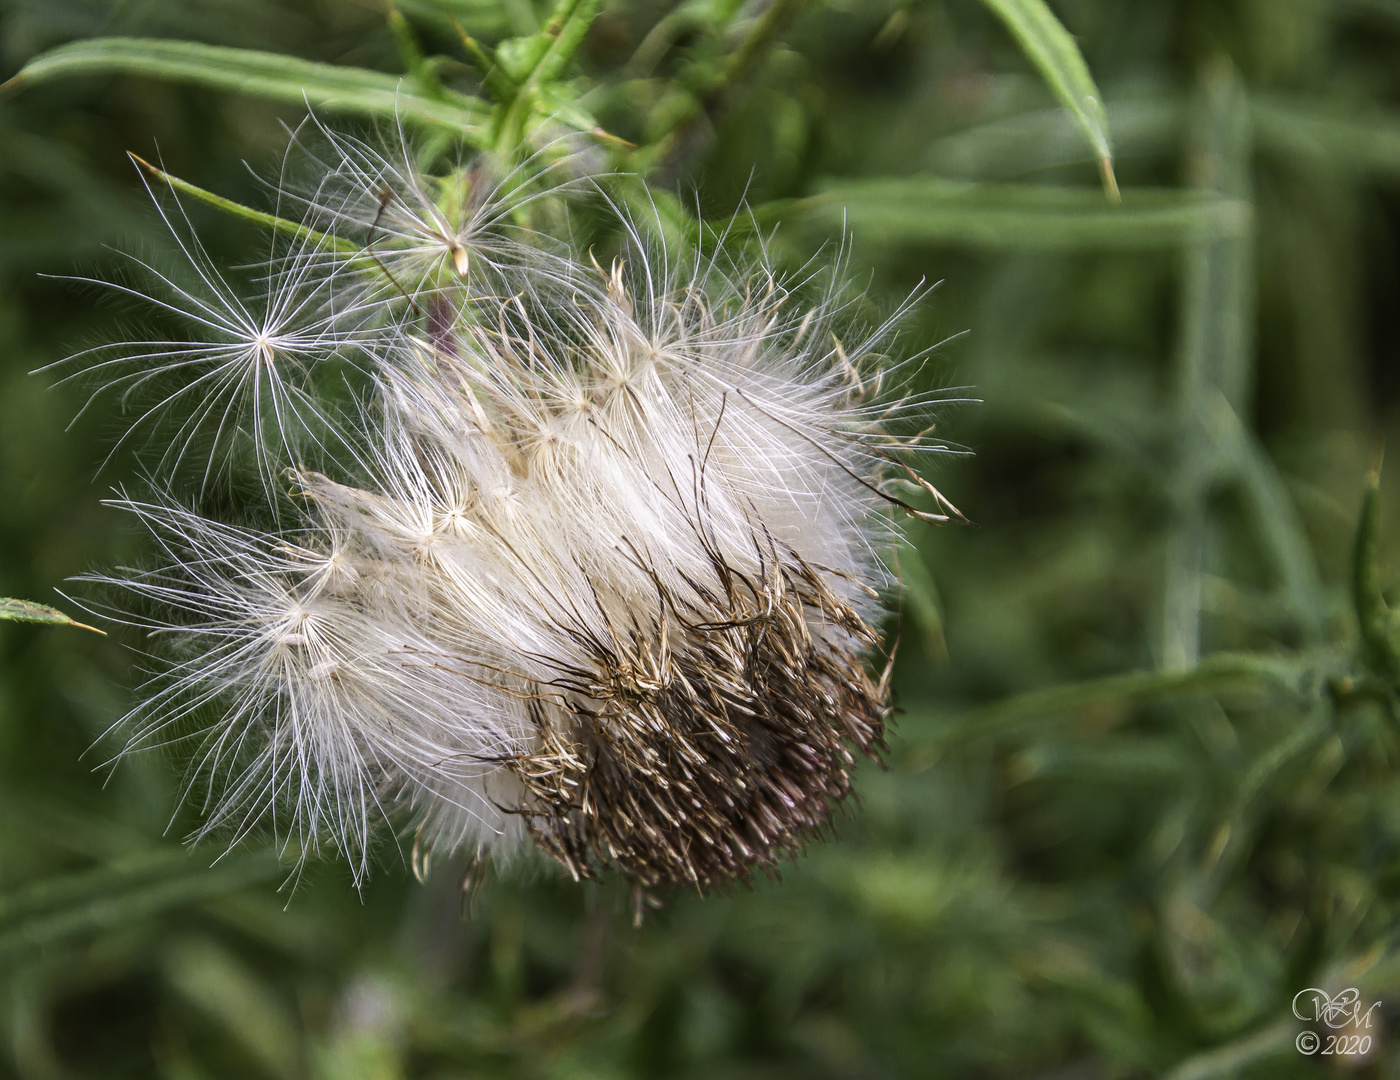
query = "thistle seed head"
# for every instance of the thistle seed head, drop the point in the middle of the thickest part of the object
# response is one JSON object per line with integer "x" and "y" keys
{"x": 594, "y": 562}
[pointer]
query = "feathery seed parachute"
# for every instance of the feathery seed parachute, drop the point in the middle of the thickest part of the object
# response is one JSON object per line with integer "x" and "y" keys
{"x": 586, "y": 555}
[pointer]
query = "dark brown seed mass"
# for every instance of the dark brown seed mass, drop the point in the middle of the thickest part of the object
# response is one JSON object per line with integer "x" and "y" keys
{"x": 709, "y": 745}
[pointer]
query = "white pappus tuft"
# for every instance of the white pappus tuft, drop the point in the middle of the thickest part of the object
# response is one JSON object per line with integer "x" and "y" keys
{"x": 594, "y": 560}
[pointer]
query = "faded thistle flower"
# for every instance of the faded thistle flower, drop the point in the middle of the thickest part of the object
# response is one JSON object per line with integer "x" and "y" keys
{"x": 549, "y": 550}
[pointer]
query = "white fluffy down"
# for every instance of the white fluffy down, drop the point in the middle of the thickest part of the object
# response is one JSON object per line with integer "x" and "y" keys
{"x": 546, "y": 448}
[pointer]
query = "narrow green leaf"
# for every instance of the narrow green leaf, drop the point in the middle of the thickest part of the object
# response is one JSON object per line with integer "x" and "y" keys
{"x": 221, "y": 985}
{"x": 924, "y": 604}
{"x": 1046, "y": 138}
{"x": 1052, "y": 49}
{"x": 26, "y": 611}
{"x": 51, "y": 912}
{"x": 66, "y": 890}
{"x": 359, "y": 256}
{"x": 51, "y": 821}
{"x": 1131, "y": 760}
{"x": 260, "y": 74}
{"x": 759, "y": 40}
{"x": 1232, "y": 1058}
{"x": 281, "y": 225}
{"x": 1372, "y": 612}
{"x": 498, "y": 84}
{"x": 411, "y": 53}
{"x": 1337, "y": 133}
{"x": 557, "y": 102}
{"x": 929, "y": 210}
{"x": 1281, "y": 531}
{"x": 1315, "y": 726}
{"x": 1223, "y": 673}
{"x": 486, "y": 18}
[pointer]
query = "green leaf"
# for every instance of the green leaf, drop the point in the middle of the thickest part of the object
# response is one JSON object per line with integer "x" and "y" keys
{"x": 260, "y": 74}
{"x": 1014, "y": 216}
{"x": 1051, "y": 48}
{"x": 282, "y": 225}
{"x": 1047, "y": 138}
{"x": 1337, "y": 133}
{"x": 1373, "y": 615}
{"x": 1223, "y": 673}
{"x": 60, "y": 909}
{"x": 1231, "y": 1059}
{"x": 489, "y": 18}
{"x": 925, "y": 604}
{"x": 26, "y": 611}
{"x": 411, "y": 53}
{"x": 557, "y": 103}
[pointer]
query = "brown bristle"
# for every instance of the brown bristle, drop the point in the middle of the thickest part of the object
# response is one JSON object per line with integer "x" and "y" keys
{"x": 694, "y": 757}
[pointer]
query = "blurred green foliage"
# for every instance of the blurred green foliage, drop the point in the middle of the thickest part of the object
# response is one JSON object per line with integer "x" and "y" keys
{"x": 1143, "y": 788}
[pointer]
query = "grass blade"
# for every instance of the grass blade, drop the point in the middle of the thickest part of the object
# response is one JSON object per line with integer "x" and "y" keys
{"x": 1051, "y": 48}
{"x": 260, "y": 74}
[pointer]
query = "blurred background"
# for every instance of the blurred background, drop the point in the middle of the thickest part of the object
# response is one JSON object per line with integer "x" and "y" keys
{"x": 1142, "y": 786}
